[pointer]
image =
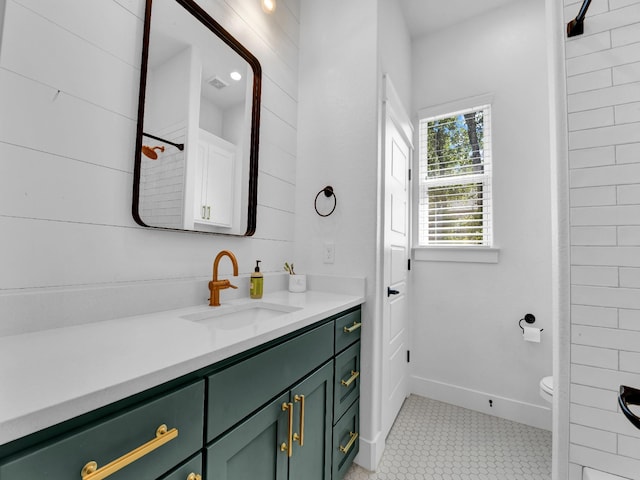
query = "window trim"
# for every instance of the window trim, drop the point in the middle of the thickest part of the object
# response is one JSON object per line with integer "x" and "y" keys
{"x": 448, "y": 252}
{"x": 462, "y": 254}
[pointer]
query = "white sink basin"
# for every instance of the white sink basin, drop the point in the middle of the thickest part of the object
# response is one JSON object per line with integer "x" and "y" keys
{"x": 233, "y": 317}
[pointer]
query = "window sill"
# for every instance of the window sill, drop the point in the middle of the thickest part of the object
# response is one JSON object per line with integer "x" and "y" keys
{"x": 456, "y": 254}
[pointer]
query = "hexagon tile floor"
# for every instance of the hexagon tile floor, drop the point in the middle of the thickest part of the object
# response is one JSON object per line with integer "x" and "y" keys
{"x": 431, "y": 440}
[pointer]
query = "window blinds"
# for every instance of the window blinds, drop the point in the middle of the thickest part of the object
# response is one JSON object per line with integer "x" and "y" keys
{"x": 455, "y": 178}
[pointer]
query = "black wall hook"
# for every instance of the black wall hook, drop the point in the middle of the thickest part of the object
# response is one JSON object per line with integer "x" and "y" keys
{"x": 328, "y": 192}
{"x": 529, "y": 318}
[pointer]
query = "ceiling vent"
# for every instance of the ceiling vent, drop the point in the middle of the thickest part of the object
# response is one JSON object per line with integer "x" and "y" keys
{"x": 218, "y": 83}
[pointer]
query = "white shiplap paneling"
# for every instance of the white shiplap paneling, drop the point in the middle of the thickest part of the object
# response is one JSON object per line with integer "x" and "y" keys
{"x": 68, "y": 107}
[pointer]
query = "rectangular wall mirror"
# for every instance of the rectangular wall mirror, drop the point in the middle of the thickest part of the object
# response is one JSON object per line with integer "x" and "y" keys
{"x": 196, "y": 162}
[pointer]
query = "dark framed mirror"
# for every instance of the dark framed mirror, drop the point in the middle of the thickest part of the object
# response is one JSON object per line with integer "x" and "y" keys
{"x": 196, "y": 160}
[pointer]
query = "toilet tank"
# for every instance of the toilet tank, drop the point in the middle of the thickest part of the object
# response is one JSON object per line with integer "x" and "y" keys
{"x": 590, "y": 474}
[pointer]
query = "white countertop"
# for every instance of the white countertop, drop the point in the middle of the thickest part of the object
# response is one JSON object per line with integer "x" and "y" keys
{"x": 54, "y": 375}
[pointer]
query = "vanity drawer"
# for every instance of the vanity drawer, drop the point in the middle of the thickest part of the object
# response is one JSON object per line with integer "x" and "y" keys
{"x": 346, "y": 386}
{"x": 346, "y": 442}
{"x": 193, "y": 467}
{"x": 238, "y": 390}
{"x": 110, "y": 439}
{"x": 347, "y": 329}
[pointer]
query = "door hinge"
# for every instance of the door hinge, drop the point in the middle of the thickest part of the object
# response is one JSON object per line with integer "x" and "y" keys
{"x": 409, "y": 174}
{"x": 408, "y": 356}
{"x": 408, "y": 264}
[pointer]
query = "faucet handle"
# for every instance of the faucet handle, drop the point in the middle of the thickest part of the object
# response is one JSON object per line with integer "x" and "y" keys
{"x": 233, "y": 286}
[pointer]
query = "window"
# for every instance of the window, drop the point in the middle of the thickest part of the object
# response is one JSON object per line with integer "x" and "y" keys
{"x": 455, "y": 178}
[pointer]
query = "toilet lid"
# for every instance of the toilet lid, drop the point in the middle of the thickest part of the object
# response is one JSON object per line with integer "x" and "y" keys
{"x": 547, "y": 385}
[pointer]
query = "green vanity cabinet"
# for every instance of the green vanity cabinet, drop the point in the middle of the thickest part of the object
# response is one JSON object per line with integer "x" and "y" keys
{"x": 311, "y": 456}
{"x": 240, "y": 389}
{"x": 284, "y": 410}
{"x": 250, "y": 449}
{"x": 259, "y": 446}
{"x": 347, "y": 380}
{"x": 346, "y": 388}
{"x": 347, "y": 329}
{"x": 290, "y": 438}
{"x": 110, "y": 441}
{"x": 345, "y": 441}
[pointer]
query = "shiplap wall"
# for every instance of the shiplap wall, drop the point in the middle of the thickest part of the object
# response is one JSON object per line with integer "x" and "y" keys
{"x": 603, "y": 86}
{"x": 71, "y": 252}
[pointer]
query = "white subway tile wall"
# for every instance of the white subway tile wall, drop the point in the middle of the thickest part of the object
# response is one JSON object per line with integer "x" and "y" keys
{"x": 603, "y": 86}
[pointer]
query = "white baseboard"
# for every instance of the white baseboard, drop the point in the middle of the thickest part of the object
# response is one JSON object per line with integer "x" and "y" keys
{"x": 370, "y": 452}
{"x": 510, "y": 409}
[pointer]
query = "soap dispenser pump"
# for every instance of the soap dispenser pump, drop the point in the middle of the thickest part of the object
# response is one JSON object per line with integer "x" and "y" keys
{"x": 257, "y": 282}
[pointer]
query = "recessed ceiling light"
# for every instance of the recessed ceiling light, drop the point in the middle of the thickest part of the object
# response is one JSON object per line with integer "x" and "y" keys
{"x": 269, "y": 6}
{"x": 235, "y": 76}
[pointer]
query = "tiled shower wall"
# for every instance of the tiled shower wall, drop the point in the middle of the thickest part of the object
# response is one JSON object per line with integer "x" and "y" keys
{"x": 603, "y": 86}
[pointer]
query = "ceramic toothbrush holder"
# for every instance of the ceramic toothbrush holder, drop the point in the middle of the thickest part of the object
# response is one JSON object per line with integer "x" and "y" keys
{"x": 297, "y": 283}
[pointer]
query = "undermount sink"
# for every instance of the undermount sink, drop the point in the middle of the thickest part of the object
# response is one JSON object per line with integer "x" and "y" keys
{"x": 231, "y": 317}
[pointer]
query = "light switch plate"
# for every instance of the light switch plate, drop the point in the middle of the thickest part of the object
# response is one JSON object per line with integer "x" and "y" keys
{"x": 328, "y": 252}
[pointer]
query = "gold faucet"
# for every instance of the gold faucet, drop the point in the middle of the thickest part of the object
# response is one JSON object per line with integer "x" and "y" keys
{"x": 216, "y": 285}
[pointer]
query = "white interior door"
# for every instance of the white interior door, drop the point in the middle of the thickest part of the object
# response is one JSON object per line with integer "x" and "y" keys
{"x": 398, "y": 150}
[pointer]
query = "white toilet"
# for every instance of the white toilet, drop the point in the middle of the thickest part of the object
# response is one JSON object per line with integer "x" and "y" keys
{"x": 546, "y": 389}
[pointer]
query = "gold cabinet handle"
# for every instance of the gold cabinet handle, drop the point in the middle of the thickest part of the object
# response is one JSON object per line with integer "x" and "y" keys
{"x": 348, "y": 446}
{"x": 353, "y": 328}
{"x": 91, "y": 471}
{"x": 203, "y": 213}
{"x": 300, "y": 438}
{"x": 288, "y": 447}
{"x": 194, "y": 476}
{"x": 354, "y": 375}
{"x": 208, "y": 212}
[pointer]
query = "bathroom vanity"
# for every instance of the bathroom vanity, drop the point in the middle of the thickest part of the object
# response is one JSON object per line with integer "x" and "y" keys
{"x": 281, "y": 402}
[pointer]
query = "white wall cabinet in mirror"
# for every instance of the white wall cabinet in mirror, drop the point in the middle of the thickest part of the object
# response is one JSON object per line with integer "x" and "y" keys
{"x": 198, "y": 124}
{"x": 216, "y": 179}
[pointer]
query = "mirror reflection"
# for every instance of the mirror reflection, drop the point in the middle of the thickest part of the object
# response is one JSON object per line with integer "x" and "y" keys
{"x": 197, "y": 147}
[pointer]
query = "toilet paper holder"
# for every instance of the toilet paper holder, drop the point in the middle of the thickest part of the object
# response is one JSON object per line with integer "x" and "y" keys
{"x": 529, "y": 318}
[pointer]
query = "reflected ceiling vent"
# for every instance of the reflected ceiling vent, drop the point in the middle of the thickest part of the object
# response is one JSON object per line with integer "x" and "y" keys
{"x": 218, "y": 82}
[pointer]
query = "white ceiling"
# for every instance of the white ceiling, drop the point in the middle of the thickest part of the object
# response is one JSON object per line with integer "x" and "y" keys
{"x": 427, "y": 16}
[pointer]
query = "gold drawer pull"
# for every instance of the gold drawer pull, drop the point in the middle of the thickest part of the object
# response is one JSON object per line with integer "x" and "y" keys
{"x": 300, "y": 438}
{"x": 348, "y": 446}
{"x": 353, "y": 328}
{"x": 91, "y": 471}
{"x": 194, "y": 476}
{"x": 288, "y": 446}
{"x": 354, "y": 375}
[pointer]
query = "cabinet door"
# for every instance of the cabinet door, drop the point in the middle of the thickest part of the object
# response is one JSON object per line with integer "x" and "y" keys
{"x": 220, "y": 182}
{"x": 215, "y": 181}
{"x": 252, "y": 449}
{"x": 311, "y": 458}
{"x": 200, "y": 193}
